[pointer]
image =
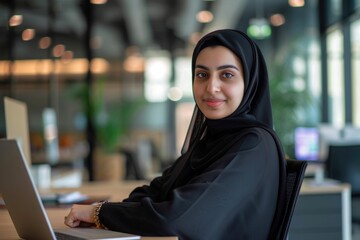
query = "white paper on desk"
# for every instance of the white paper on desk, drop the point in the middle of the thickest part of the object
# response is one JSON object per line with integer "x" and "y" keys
{"x": 72, "y": 198}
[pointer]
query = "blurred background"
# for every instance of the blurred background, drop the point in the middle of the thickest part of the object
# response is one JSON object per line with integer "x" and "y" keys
{"x": 107, "y": 83}
{"x": 113, "y": 77}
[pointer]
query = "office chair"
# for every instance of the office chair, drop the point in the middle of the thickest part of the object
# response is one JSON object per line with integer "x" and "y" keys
{"x": 295, "y": 172}
{"x": 343, "y": 164}
{"x": 133, "y": 170}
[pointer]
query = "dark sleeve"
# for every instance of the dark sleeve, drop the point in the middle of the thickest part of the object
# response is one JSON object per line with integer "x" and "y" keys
{"x": 151, "y": 191}
{"x": 230, "y": 200}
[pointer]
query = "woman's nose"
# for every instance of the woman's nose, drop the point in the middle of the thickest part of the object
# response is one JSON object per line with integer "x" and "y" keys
{"x": 213, "y": 85}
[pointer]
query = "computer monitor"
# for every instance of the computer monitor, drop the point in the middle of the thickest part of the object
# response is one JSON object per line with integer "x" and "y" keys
{"x": 351, "y": 134}
{"x": 328, "y": 135}
{"x": 17, "y": 126}
{"x": 306, "y": 143}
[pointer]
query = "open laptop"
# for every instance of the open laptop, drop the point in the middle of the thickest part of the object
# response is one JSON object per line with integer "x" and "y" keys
{"x": 24, "y": 204}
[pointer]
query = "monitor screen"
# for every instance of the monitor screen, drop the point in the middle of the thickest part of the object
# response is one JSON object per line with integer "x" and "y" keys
{"x": 17, "y": 126}
{"x": 306, "y": 143}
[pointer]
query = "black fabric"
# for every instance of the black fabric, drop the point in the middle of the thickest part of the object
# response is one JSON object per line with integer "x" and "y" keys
{"x": 230, "y": 182}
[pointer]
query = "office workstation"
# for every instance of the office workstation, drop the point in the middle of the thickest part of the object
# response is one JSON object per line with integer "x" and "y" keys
{"x": 56, "y": 213}
{"x": 322, "y": 211}
{"x": 330, "y": 190}
{"x": 115, "y": 191}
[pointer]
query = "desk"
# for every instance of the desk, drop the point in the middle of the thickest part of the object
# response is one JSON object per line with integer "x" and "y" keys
{"x": 115, "y": 190}
{"x": 320, "y": 208}
{"x": 323, "y": 211}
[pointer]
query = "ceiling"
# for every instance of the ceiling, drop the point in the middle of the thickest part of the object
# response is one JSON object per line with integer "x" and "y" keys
{"x": 119, "y": 24}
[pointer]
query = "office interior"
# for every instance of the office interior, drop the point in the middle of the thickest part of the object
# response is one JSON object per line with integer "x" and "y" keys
{"x": 107, "y": 83}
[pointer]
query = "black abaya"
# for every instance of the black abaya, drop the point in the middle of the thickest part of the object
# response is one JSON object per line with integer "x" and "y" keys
{"x": 230, "y": 181}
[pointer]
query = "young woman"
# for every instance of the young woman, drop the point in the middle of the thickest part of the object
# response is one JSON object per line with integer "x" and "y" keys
{"x": 229, "y": 181}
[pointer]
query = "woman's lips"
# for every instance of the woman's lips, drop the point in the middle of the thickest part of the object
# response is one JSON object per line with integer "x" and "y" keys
{"x": 213, "y": 102}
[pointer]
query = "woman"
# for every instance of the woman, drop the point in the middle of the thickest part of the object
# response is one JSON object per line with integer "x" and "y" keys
{"x": 228, "y": 183}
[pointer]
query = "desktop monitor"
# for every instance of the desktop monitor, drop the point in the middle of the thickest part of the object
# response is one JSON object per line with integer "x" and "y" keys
{"x": 328, "y": 135}
{"x": 351, "y": 134}
{"x": 17, "y": 127}
{"x": 306, "y": 143}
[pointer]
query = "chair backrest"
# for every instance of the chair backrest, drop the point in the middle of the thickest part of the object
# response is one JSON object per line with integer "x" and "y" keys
{"x": 295, "y": 172}
{"x": 343, "y": 164}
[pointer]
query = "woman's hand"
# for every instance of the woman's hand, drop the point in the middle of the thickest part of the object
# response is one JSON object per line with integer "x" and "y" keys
{"x": 80, "y": 216}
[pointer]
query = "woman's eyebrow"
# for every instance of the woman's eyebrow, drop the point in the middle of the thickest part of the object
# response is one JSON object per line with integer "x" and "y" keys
{"x": 228, "y": 66}
{"x": 218, "y": 68}
{"x": 202, "y": 66}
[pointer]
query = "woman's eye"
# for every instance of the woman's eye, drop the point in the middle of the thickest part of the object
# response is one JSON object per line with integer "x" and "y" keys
{"x": 201, "y": 74}
{"x": 227, "y": 75}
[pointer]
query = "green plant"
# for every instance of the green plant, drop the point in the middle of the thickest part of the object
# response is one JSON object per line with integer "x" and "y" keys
{"x": 286, "y": 105}
{"x": 111, "y": 120}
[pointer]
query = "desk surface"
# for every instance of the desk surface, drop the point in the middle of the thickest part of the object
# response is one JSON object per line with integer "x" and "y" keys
{"x": 326, "y": 186}
{"x": 115, "y": 190}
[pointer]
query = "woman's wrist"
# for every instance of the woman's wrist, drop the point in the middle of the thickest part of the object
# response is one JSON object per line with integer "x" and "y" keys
{"x": 96, "y": 213}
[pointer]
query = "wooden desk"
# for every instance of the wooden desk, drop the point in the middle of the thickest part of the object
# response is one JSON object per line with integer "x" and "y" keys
{"x": 116, "y": 190}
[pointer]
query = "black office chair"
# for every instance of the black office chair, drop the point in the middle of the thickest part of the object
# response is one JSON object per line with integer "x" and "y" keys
{"x": 343, "y": 164}
{"x": 295, "y": 172}
{"x": 133, "y": 170}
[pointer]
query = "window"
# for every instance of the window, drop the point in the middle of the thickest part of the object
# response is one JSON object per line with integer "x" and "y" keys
{"x": 355, "y": 62}
{"x": 335, "y": 62}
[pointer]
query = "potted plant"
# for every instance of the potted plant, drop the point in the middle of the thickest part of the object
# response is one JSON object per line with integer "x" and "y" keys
{"x": 111, "y": 122}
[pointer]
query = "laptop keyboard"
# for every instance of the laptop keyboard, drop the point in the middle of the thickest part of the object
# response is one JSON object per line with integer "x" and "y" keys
{"x": 64, "y": 236}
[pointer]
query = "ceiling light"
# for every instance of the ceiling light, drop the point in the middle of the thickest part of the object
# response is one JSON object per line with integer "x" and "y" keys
{"x": 28, "y": 34}
{"x": 67, "y": 57}
{"x": 15, "y": 20}
{"x": 259, "y": 28}
{"x": 99, "y": 65}
{"x": 98, "y": 2}
{"x": 204, "y": 16}
{"x": 44, "y": 42}
{"x": 58, "y": 50}
{"x": 296, "y": 3}
{"x": 134, "y": 64}
{"x": 277, "y": 20}
{"x": 46, "y": 66}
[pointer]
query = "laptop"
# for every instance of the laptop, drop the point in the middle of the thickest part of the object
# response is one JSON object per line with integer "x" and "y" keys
{"x": 24, "y": 204}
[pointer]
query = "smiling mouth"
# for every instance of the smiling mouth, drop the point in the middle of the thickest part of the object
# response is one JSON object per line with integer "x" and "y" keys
{"x": 214, "y": 102}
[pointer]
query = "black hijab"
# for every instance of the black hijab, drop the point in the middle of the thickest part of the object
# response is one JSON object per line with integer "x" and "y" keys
{"x": 253, "y": 111}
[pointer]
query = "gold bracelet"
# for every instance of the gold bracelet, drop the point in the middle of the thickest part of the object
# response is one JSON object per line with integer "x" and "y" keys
{"x": 97, "y": 222}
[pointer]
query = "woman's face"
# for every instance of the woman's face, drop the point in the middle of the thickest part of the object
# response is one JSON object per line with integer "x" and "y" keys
{"x": 218, "y": 82}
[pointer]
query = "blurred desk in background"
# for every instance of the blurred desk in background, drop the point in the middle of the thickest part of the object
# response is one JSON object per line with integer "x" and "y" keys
{"x": 323, "y": 211}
